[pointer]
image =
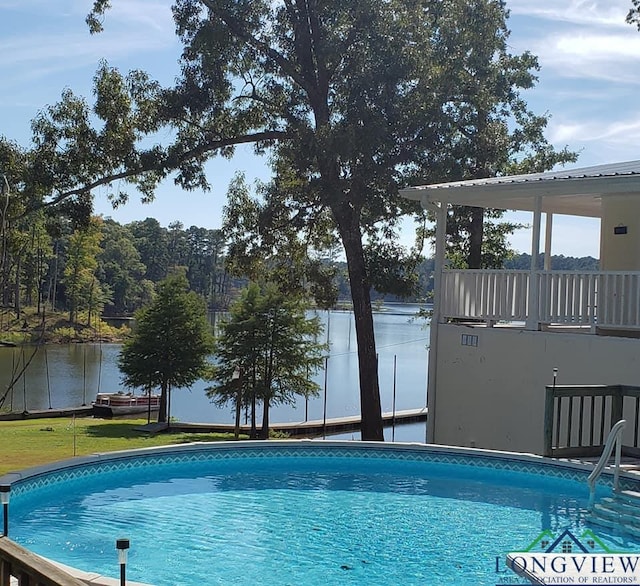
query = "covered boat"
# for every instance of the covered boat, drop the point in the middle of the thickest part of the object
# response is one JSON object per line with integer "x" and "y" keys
{"x": 114, "y": 404}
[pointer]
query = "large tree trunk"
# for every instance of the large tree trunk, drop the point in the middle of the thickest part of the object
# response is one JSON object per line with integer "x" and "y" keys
{"x": 476, "y": 235}
{"x": 162, "y": 413}
{"x": 348, "y": 221}
{"x": 264, "y": 433}
{"x": 253, "y": 434}
{"x": 16, "y": 301}
{"x": 236, "y": 428}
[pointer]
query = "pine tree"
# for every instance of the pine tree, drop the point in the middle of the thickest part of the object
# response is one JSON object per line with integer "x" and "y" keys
{"x": 171, "y": 342}
{"x": 267, "y": 351}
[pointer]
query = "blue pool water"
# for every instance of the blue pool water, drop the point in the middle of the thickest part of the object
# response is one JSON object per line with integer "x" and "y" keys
{"x": 307, "y": 516}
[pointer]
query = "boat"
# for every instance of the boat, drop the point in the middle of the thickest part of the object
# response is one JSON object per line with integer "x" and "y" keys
{"x": 114, "y": 404}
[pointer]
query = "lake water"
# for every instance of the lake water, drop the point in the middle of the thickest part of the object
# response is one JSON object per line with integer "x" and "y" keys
{"x": 70, "y": 375}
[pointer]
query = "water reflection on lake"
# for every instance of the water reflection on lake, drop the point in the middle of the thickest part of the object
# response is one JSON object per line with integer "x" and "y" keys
{"x": 70, "y": 375}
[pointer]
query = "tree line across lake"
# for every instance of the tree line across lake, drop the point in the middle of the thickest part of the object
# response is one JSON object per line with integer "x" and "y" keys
{"x": 113, "y": 269}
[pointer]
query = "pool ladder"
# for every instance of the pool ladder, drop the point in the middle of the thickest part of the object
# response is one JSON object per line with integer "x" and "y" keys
{"x": 622, "y": 510}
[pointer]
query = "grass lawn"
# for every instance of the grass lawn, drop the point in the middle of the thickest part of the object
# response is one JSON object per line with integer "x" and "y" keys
{"x": 39, "y": 441}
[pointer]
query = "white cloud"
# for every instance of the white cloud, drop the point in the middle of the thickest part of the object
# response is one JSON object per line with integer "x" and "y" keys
{"x": 58, "y": 42}
{"x": 19, "y": 51}
{"x": 625, "y": 132}
{"x": 25, "y": 60}
{"x": 592, "y": 56}
{"x": 585, "y": 12}
{"x": 148, "y": 13}
{"x": 586, "y": 39}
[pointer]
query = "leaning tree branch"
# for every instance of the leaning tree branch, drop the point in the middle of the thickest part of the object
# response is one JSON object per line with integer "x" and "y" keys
{"x": 166, "y": 164}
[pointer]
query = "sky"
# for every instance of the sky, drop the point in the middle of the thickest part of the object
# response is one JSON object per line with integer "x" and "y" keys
{"x": 588, "y": 84}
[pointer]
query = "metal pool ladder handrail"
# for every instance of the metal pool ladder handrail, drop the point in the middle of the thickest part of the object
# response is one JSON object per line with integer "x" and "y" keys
{"x": 614, "y": 437}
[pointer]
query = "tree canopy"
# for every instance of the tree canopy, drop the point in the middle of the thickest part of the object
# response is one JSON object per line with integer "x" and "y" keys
{"x": 633, "y": 17}
{"x": 266, "y": 352}
{"x": 170, "y": 344}
{"x": 352, "y": 99}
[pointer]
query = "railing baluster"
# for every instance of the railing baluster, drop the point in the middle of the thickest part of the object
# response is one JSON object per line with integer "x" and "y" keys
{"x": 585, "y": 314}
{"x": 617, "y": 306}
{"x": 636, "y": 420}
{"x": 626, "y": 302}
{"x": 549, "y": 406}
{"x": 553, "y": 298}
{"x": 569, "y": 421}
{"x": 636, "y": 305}
{"x": 581, "y": 421}
{"x": 562, "y": 305}
{"x": 558, "y": 420}
{"x": 602, "y": 416}
{"x": 592, "y": 420}
{"x": 572, "y": 300}
{"x": 5, "y": 572}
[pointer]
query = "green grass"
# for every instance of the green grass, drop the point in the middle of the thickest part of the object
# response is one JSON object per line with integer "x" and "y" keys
{"x": 33, "y": 442}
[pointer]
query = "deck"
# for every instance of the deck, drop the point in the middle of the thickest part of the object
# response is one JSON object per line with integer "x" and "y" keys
{"x": 313, "y": 428}
{"x": 45, "y": 413}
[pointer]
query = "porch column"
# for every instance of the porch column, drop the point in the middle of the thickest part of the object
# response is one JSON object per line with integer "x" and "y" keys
{"x": 441, "y": 230}
{"x": 532, "y": 306}
{"x": 547, "y": 241}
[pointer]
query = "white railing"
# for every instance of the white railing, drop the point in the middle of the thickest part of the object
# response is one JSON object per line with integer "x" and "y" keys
{"x": 485, "y": 294}
{"x": 568, "y": 297}
{"x": 606, "y": 299}
{"x": 614, "y": 439}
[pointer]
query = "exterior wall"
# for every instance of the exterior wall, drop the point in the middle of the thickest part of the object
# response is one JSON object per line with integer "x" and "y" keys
{"x": 492, "y": 395}
{"x": 620, "y": 252}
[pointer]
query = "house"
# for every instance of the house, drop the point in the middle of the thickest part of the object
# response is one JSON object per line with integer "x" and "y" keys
{"x": 498, "y": 335}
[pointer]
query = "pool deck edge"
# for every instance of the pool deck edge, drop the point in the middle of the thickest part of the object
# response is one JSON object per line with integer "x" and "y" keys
{"x": 97, "y": 457}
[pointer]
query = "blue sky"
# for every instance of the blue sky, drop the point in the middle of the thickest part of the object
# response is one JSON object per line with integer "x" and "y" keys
{"x": 589, "y": 81}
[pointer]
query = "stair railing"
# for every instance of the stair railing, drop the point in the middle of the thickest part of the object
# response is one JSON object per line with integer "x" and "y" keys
{"x": 614, "y": 438}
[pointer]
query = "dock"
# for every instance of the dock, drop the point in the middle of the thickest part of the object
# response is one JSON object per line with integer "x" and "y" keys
{"x": 315, "y": 428}
{"x": 45, "y": 413}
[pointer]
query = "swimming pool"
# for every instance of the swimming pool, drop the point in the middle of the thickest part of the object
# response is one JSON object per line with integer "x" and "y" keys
{"x": 299, "y": 512}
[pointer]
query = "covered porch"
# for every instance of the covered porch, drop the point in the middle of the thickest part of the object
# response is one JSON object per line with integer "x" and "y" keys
{"x": 539, "y": 296}
{"x": 497, "y": 335}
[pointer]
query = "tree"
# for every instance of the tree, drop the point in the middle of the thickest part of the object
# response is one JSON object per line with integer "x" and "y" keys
{"x": 37, "y": 256}
{"x": 15, "y": 233}
{"x": 151, "y": 241}
{"x": 351, "y": 97}
{"x": 271, "y": 346}
{"x": 205, "y": 263}
{"x": 494, "y": 132}
{"x": 171, "y": 342}
{"x": 267, "y": 236}
{"x": 82, "y": 287}
{"x": 633, "y": 17}
{"x": 120, "y": 268}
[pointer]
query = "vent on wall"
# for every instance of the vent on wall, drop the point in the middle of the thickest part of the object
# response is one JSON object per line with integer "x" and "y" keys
{"x": 469, "y": 340}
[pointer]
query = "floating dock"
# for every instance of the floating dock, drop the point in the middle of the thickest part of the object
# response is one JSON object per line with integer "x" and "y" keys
{"x": 44, "y": 413}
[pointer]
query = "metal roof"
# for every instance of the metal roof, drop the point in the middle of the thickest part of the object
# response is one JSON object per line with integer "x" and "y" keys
{"x": 576, "y": 192}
